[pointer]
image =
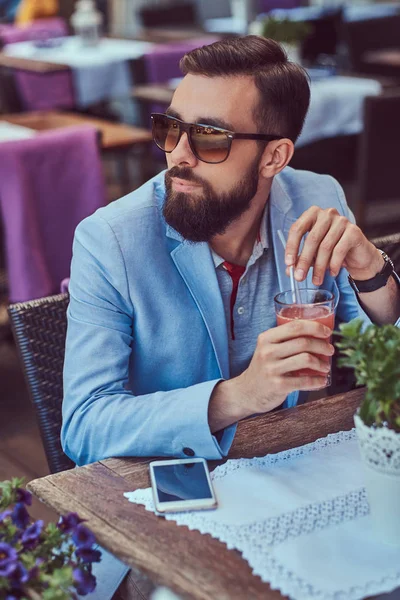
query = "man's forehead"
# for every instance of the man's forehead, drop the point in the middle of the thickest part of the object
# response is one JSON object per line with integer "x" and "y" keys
{"x": 221, "y": 101}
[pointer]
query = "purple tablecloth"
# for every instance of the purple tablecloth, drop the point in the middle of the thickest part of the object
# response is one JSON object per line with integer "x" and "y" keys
{"x": 48, "y": 184}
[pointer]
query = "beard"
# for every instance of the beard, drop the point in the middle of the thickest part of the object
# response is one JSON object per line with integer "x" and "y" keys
{"x": 200, "y": 217}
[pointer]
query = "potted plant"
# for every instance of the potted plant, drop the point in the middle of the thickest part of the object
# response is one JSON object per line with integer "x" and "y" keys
{"x": 37, "y": 562}
{"x": 289, "y": 33}
{"x": 374, "y": 355}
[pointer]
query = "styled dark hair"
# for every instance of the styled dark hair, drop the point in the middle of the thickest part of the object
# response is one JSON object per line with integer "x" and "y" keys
{"x": 283, "y": 85}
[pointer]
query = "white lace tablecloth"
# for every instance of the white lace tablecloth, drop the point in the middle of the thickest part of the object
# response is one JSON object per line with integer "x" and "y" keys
{"x": 301, "y": 520}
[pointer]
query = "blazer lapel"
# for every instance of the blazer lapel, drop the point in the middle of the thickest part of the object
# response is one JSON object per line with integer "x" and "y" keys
{"x": 196, "y": 266}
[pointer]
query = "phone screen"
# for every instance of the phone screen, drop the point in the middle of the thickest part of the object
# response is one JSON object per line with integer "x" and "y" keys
{"x": 184, "y": 481}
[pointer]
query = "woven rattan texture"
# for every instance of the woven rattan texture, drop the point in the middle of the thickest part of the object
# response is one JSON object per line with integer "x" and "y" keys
{"x": 39, "y": 328}
{"x": 391, "y": 245}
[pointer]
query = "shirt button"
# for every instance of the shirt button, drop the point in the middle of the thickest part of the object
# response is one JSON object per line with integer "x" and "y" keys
{"x": 240, "y": 310}
{"x": 188, "y": 451}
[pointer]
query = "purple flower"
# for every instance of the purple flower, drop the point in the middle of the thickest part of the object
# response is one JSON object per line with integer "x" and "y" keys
{"x": 68, "y": 522}
{"x": 7, "y": 569}
{"x": 7, "y": 554}
{"x": 20, "y": 516}
{"x": 31, "y": 535}
{"x": 4, "y": 515}
{"x": 83, "y": 537}
{"x": 18, "y": 574}
{"x": 84, "y": 581}
{"x": 88, "y": 555}
{"x": 24, "y": 496}
{"x": 14, "y": 595}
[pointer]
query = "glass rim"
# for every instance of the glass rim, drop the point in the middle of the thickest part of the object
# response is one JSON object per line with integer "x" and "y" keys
{"x": 314, "y": 290}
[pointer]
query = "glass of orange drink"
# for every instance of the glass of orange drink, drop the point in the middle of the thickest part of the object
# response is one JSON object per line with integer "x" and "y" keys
{"x": 311, "y": 304}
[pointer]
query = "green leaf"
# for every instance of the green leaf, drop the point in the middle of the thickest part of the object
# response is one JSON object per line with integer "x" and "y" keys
{"x": 374, "y": 355}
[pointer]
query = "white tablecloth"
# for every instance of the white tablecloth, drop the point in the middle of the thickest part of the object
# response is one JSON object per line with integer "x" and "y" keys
{"x": 9, "y": 131}
{"x": 100, "y": 72}
{"x": 301, "y": 520}
{"x": 336, "y": 107}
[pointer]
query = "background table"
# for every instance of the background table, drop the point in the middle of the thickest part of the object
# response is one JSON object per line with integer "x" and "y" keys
{"x": 114, "y": 136}
{"x": 193, "y": 565}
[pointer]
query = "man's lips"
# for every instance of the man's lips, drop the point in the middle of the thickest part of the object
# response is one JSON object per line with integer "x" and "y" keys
{"x": 184, "y": 184}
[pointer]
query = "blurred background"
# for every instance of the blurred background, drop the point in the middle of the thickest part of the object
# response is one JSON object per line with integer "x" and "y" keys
{"x": 78, "y": 81}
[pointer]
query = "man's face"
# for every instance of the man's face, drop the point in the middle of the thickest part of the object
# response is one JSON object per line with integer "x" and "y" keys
{"x": 203, "y": 199}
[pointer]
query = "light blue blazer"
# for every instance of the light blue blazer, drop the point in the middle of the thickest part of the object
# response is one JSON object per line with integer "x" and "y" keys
{"x": 147, "y": 340}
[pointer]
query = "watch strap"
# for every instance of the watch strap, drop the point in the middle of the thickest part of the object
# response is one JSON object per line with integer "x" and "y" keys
{"x": 377, "y": 282}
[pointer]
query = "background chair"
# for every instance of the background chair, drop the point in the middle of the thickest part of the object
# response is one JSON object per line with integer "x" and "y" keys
{"x": 39, "y": 329}
{"x": 391, "y": 245}
{"x": 376, "y": 201}
{"x": 177, "y": 13}
{"x": 48, "y": 184}
{"x": 363, "y": 35}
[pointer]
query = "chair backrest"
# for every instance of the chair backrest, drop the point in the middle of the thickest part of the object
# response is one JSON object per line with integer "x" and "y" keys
{"x": 39, "y": 328}
{"x": 179, "y": 12}
{"x": 370, "y": 34}
{"x": 391, "y": 245}
{"x": 378, "y": 162}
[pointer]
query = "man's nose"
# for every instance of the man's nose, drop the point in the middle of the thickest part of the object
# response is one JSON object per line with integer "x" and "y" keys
{"x": 183, "y": 154}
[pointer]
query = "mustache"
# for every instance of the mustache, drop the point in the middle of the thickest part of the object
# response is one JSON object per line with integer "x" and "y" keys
{"x": 185, "y": 173}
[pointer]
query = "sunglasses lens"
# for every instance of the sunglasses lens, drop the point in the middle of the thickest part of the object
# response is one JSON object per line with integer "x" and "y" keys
{"x": 165, "y": 132}
{"x": 210, "y": 145}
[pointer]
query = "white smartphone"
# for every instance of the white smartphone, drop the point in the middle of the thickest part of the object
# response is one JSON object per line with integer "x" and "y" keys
{"x": 181, "y": 484}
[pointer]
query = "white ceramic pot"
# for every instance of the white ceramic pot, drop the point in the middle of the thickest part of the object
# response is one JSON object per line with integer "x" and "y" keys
{"x": 380, "y": 452}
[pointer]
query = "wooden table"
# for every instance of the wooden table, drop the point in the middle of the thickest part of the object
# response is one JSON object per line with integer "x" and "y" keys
{"x": 114, "y": 136}
{"x": 389, "y": 57}
{"x": 193, "y": 565}
{"x": 161, "y": 93}
{"x": 156, "y": 93}
{"x": 118, "y": 140}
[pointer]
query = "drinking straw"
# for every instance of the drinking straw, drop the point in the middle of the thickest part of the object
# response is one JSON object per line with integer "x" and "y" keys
{"x": 293, "y": 282}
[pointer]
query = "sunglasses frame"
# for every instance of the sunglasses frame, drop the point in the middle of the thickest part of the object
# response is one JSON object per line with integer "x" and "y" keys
{"x": 231, "y": 135}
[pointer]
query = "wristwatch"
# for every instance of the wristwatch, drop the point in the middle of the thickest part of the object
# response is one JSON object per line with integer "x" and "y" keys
{"x": 380, "y": 279}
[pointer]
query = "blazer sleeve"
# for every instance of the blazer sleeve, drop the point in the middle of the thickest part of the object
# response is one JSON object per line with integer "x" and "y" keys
{"x": 349, "y": 306}
{"x": 101, "y": 416}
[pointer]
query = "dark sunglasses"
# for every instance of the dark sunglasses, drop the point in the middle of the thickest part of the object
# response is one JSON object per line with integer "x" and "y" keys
{"x": 209, "y": 144}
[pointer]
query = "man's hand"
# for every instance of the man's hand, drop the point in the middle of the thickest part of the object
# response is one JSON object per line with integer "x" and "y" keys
{"x": 271, "y": 375}
{"x": 332, "y": 242}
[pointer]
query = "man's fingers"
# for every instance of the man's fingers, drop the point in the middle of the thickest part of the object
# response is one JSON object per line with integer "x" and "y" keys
{"x": 350, "y": 239}
{"x": 303, "y": 344}
{"x": 297, "y": 230}
{"x": 306, "y": 383}
{"x": 326, "y": 249}
{"x": 294, "y": 329}
{"x": 311, "y": 245}
{"x": 302, "y": 361}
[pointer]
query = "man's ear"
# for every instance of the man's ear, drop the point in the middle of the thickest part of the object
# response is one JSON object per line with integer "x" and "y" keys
{"x": 275, "y": 157}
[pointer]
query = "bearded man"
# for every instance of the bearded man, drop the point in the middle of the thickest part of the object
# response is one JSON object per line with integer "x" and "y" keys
{"x": 172, "y": 335}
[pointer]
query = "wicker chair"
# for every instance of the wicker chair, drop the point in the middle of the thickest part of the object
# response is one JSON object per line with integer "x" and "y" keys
{"x": 391, "y": 245}
{"x": 39, "y": 328}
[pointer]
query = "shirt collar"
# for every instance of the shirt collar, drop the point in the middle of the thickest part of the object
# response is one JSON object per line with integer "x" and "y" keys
{"x": 261, "y": 243}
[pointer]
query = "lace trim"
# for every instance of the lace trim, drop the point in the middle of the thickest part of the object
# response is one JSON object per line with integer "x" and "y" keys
{"x": 257, "y": 540}
{"x": 332, "y": 439}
